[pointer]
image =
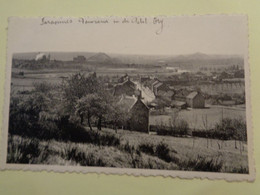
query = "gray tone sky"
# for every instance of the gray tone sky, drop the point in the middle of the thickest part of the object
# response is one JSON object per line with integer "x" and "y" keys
{"x": 180, "y": 35}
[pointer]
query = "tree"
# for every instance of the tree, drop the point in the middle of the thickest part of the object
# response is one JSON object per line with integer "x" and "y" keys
{"x": 78, "y": 85}
{"x": 119, "y": 115}
{"x": 85, "y": 107}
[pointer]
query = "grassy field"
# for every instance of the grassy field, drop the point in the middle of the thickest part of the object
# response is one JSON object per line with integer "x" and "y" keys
{"x": 134, "y": 150}
{"x": 197, "y": 117}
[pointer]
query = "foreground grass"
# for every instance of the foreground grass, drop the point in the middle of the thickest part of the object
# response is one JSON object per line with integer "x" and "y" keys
{"x": 134, "y": 150}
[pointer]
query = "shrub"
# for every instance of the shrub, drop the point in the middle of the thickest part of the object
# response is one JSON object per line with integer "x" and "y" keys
{"x": 79, "y": 134}
{"x": 128, "y": 148}
{"x": 147, "y": 148}
{"x": 226, "y": 129}
{"x": 162, "y": 151}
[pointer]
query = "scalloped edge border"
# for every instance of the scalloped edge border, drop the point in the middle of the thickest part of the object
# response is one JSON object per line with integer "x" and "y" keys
{"x": 231, "y": 177}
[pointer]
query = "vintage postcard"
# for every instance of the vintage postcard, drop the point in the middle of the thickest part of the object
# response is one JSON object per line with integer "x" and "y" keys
{"x": 166, "y": 96}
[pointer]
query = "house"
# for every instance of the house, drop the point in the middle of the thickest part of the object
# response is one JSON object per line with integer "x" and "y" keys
{"x": 166, "y": 95}
{"x": 138, "y": 111}
{"x": 127, "y": 88}
{"x": 150, "y": 83}
{"x": 195, "y": 100}
{"x": 155, "y": 82}
{"x": 160, "y": 87}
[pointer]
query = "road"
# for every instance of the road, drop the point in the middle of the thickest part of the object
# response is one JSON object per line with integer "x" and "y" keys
{"x": 147, "y": 94}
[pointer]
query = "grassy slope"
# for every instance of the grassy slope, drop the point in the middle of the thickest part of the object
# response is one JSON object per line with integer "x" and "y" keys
{"x": 232, "y": 158}
{"x": 181, "y": 150}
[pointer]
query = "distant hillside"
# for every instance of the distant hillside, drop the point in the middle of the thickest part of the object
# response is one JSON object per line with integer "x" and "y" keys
{"x": 190, "y": 60}
{"x": 62, "y": 56}
{"x": 204, "y": 59}
{"x": 102, "y": 58}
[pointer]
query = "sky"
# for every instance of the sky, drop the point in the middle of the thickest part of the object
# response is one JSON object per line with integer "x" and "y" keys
{"x": 156, "y": 36}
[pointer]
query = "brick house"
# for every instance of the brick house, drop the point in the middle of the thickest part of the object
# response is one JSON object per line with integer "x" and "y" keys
{"x": 139, "y": 113}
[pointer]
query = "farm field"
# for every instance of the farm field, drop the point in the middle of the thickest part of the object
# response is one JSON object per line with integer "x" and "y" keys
{"x": 127, "y": 154}
{"x": 196, "y": 117}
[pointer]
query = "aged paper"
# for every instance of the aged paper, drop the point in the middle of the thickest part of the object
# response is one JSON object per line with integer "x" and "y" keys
{"x": 166, "y": 96}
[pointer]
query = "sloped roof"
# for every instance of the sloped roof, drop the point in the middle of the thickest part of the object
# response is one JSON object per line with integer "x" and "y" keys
{"x": 177, "y": 103}
{"x": 131, "y": 84}
{"x": 169, "y": 93}
{"x": 155, "y": 82}
{"x": 127, "y": 102}
{"x": 182, "y": 93}
{"x": 192, "y": 95}
{"x": 158, "y": 84}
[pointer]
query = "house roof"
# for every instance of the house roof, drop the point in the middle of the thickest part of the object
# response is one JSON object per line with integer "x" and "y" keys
{"x": 155, "y": 82}
{"x": 158, "y": 84}
{"x": 182, "y": 93}
{"x": 169, "y": 93}
{"x": 131, "y": 83}
{"x": 192, "y": 95}
{"x": 177, "y": 103}
{"x": 127, "y": 102}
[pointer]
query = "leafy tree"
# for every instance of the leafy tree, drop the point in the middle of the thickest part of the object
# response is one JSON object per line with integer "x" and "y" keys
{"x": 87, "y": 97}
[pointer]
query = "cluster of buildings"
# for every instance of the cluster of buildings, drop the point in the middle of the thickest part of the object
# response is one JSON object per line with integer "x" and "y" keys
{"x": 174, "y": 97}
{"x": 131, "y": 98}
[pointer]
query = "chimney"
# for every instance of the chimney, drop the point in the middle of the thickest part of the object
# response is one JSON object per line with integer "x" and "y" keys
{"x": 140, "y": 95}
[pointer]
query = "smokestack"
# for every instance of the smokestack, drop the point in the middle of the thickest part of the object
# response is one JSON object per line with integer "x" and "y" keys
{"x": 39, "y": 56}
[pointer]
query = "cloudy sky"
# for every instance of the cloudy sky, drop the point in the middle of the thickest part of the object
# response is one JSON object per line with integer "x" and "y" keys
{"x": 173, "y": 36}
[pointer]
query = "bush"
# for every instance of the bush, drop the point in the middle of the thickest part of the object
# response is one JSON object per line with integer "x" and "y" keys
{"x": 81, "y": 135}
{"x": 211, "y": 134}
{"x": 162, "y": 151}
{"x": 147, "y": 148}
{"x": 128, "y": 148}
{"x": 179, "y": 129}
{"x": 226, "y": 129}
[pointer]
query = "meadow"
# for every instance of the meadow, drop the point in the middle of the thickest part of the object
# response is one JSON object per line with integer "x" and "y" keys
{"x": 132, "y": 150}
{"x": 196, "y": 117}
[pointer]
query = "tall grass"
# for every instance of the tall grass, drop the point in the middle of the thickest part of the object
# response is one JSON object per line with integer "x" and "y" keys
{"x": 76, "y": 154}
{"x": 202, "y": 164}
{"x": 24, "y": 151}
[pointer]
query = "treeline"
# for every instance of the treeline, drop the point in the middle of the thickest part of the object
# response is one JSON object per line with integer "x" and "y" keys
{"x": 60, "y": 111}
{"x": 225, "y": 129}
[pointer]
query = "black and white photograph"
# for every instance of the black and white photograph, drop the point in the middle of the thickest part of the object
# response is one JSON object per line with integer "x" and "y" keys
{"x": 161, "y": 95}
